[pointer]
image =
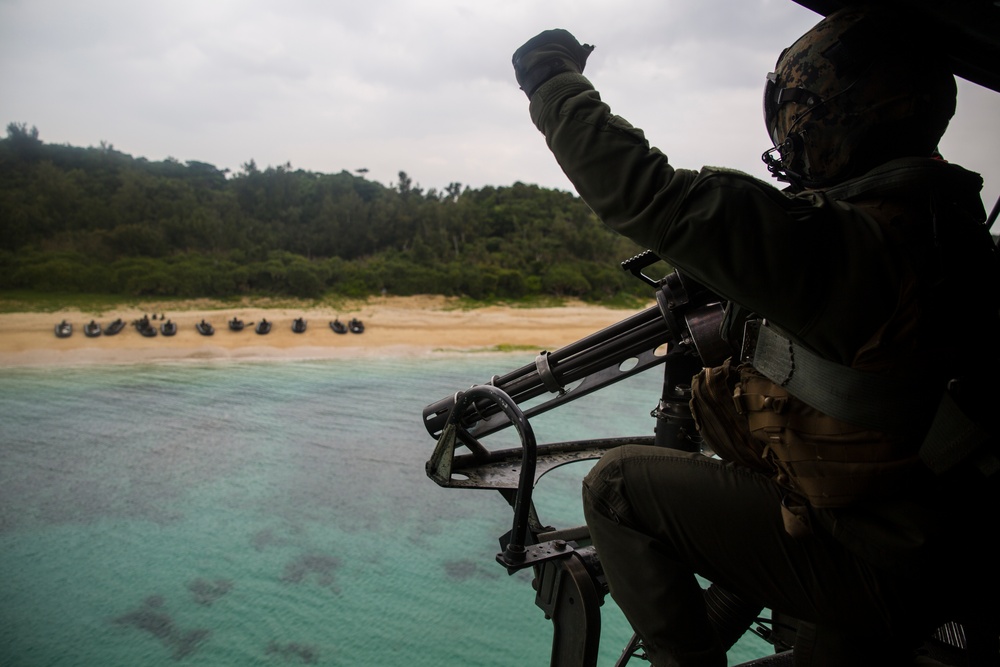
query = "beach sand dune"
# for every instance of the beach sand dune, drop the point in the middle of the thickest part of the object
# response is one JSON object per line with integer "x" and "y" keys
{"x": 394, "y": 326}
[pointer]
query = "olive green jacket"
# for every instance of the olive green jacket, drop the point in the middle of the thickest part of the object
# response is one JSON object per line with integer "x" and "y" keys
{"x": 786, "y": 257}
{"x": 827, "y": 267}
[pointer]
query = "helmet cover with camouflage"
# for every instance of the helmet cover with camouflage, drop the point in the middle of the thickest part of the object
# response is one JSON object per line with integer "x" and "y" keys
{"x": 857, "y": 90}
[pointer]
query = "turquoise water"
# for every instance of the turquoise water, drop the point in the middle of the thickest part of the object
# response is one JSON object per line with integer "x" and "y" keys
{"x": 252, "y": 513}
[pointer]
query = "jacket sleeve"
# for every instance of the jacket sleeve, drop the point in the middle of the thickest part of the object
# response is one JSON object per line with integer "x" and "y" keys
{"x": 788, "y": 258}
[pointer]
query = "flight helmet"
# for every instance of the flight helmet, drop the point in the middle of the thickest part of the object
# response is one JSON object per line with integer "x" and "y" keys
{"x": 858, "y": 89}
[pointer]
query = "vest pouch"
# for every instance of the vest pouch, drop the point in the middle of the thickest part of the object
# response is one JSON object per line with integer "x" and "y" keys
{"x": 722, "y": 426}
{"x": 830, "y": 462}
{"x": 795, "y": 517}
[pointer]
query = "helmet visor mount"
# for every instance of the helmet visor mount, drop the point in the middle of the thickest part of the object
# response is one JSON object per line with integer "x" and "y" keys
{"x": 779, "y": 157}
{"x": 775, "y": 96}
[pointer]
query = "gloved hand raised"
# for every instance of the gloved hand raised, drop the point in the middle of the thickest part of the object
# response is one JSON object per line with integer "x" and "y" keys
{"x": 547, "y": 54}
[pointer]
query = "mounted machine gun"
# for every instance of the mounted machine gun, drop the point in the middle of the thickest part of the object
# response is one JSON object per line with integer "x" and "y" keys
{"x": 681, "y": 334}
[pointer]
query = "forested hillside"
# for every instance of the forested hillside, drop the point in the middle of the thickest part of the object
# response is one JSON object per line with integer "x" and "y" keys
{"x": 99, "y": 221}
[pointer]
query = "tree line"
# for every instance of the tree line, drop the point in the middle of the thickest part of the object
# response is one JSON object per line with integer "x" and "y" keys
{"x": 95, "y": 220}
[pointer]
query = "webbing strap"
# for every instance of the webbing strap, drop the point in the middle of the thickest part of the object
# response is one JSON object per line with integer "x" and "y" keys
{"x": 953, "y": 438}
{"x": 872, "y": 401}
{"x": 898, "y": 175}
{"x": 868, "y": 400}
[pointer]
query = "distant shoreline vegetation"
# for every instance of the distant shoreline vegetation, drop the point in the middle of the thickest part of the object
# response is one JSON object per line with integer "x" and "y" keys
{"x": 96, "y": 221}
{"x": 25, "y": 301}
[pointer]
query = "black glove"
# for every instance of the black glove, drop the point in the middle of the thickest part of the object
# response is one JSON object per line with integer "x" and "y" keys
{"x": 547, "y": 54}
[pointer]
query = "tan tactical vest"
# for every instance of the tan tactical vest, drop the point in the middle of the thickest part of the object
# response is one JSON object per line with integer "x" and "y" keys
{"x": 745, "y": 417}
{"x": 839, "y": 434}
{"x": 748, "y": 418}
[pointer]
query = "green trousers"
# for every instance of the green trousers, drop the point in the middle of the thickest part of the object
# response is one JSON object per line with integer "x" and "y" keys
{"x": 659, "y": 516}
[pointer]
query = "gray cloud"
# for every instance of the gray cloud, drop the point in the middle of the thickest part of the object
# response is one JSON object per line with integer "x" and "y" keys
{"x": 389, "y": 85}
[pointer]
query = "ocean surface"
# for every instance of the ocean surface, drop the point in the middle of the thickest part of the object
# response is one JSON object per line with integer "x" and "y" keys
{"x": 270, "y": 513}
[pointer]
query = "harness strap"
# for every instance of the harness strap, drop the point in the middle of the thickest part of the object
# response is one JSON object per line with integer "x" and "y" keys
{"x": 872, "y": 401}
{"x": 954, "y": 438}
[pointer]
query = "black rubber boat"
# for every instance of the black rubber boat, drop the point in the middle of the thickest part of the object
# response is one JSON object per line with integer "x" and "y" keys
{"x": 263, "y": 327}
{"x": 114, "y": 327}
{"x": 204, "y": 328}
{"x": 92, "y": 329}
{"x": 145, "y": 327}
{"x": 356, "y": 326}
{"x": 298, "y": 325}
{"x": 236, "y": 325}
{"x": 168, "y": 328}
{"x": 338, "y": 327}
{"x": 64, "y": 329}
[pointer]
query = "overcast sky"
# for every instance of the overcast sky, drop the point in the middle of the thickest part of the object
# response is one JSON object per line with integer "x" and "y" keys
{"x": 421, "y": 86}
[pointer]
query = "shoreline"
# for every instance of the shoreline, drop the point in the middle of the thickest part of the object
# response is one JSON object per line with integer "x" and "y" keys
{"x": 394, "y": 327}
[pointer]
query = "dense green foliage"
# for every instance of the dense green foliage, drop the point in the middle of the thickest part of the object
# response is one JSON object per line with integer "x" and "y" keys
{"x": 99, "y": 221}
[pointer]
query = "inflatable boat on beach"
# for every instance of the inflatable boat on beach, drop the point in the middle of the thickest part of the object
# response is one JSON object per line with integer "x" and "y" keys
{"x": 115, "y": 327}
{"x": 144, "y": 327}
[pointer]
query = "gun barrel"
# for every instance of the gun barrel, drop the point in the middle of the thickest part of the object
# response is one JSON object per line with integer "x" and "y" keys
{"x": 611, "y": 346}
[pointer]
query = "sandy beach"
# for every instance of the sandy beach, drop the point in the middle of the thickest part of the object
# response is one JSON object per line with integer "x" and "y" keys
{"x": 394, "y": 326}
